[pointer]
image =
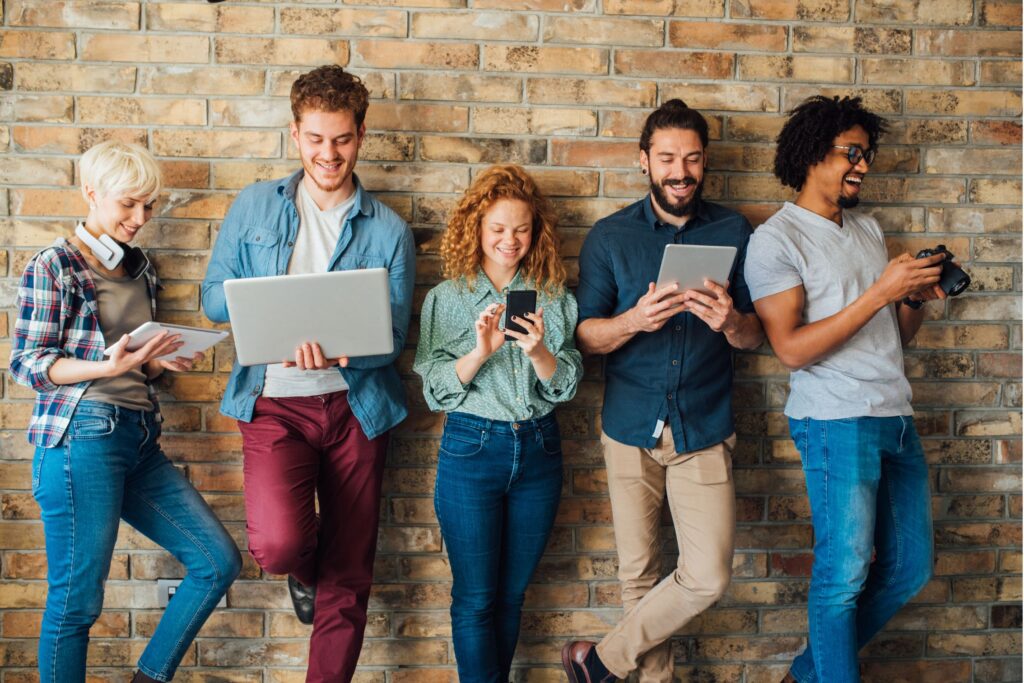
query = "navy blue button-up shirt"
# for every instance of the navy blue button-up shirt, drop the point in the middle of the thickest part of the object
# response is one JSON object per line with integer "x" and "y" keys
{"x": 682, "y": 373}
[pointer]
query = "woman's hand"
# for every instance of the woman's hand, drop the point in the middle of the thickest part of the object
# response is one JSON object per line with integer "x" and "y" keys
{"x": 182, "y": 363}
{"x": 532, "y": 344}
{"x": 489, "y": 336}
{"x": 532, "y": 341}
{"x": 122, "y": 360}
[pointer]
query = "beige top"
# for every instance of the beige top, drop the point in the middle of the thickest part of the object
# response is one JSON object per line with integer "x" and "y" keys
{"x": 124, "y": 304}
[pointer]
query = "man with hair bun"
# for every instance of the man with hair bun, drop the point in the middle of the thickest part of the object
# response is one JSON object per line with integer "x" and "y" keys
{"x": 316, "y": 428}
{"x": 667, "y": 424}
{"x": 837, "y": 312}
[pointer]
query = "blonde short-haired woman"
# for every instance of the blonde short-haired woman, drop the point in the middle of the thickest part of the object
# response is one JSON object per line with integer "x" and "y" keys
{"x": 96, "y": 424}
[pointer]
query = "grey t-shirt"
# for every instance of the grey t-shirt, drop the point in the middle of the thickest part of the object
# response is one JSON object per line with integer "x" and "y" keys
{"x": 863, "y": 377}
{"x": 124, "y": 304}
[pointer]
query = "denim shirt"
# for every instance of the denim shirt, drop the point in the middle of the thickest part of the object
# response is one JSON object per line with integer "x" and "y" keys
{"x": 257, "y": 238}
{"x": 682, "y": 373}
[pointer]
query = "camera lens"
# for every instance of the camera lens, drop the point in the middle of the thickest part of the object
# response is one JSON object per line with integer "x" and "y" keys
{"x": 953, "y": 279}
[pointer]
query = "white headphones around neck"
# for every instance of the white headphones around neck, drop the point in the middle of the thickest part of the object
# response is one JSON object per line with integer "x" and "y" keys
{"x": 105, "y": 248}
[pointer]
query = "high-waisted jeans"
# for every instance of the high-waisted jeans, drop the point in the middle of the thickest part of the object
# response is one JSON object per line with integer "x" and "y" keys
{"x": 868, "y": 485}
{"x": 497, "y": 493}
{"x": 109, "y": 467}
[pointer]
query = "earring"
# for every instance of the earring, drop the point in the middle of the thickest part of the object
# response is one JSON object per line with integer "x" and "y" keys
{"x": 644, "y": 171}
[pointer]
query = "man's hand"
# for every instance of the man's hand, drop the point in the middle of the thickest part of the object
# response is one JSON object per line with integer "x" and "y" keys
{"x": 906, "y": 275}
{"x": 655, "y": 308}
{"x": 716, "y": 310}
{"x": 310, "y": 356}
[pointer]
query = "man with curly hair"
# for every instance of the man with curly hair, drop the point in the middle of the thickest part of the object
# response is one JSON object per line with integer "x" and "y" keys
{"x": 836, "y": 311}
{"x": 667, "y": 424}
{"x": 316, "y": 428}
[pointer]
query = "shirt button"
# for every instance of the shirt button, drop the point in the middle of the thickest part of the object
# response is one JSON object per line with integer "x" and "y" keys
{"x": 256, "y": 391}
{"x": 675, "y": 362}
{"x": 291, "y": 244}
{"x": 670, "y": 397}
{"x": 678, "y": 328}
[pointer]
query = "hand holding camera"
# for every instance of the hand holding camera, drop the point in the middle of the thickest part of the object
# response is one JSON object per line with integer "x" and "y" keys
{"x": 932, "y": 274}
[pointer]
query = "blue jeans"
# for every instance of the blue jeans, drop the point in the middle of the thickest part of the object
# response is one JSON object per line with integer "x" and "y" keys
{"x": 497, "y": 492}
{"x": 868, "y": 485}
{"x": 108, "y": 467}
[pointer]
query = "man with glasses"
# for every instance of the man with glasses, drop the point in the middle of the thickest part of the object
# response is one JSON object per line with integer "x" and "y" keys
{"x": 837, "y": 312}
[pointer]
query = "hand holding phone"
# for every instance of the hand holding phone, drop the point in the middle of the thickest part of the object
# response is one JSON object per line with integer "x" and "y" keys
{"x": 519, "y": 303}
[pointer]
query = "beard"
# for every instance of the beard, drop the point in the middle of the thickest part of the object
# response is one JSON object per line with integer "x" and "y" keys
{"x": 847, "y": 202}
{"x": 310, "y": 168}
{"x": 683, "y": 208}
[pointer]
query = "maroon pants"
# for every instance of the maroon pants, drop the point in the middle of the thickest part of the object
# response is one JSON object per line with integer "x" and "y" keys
{"x": 297, "y": 450}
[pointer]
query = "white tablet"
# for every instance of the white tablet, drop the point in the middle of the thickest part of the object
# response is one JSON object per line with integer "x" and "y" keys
{"x": 347, "y": 312}
{"x": 690, "y": 264}
{"x": 196, "y": 339}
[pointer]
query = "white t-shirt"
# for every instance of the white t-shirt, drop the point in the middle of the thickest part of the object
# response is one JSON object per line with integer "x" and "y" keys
{"x": 864, "y": 377}
{"x": 314, "y": 245}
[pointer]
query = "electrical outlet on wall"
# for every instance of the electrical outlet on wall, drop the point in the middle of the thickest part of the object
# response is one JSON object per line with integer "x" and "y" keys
{"x": 166, "y": 588}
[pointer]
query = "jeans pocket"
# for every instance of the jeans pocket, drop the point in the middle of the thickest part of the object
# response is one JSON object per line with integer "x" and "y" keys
{"x": 461, "y": 440}
{"x": 551, "y": 438}
{"x": 90, "y": 426}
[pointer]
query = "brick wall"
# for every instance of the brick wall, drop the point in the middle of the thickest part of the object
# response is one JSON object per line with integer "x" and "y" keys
{"x": 560, "y": 86}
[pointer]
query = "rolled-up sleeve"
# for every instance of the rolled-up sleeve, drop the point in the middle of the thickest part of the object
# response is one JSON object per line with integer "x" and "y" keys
{"x": 442, "y": 388}
{"x": 37, "y": 330}
{"x": 561, "y": 386}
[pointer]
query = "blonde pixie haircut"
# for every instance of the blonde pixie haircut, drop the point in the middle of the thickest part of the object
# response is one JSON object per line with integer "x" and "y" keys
{"x": 120, "y": 168}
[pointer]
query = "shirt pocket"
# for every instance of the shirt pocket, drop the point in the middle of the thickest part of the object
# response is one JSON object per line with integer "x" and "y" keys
{"x": 358, "y": 261}
{"x": 259, "y": 251}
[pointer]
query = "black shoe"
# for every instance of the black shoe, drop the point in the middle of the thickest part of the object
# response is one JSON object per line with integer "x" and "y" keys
{"x": 303, "y": 598}
{"x": 140, "y": 677}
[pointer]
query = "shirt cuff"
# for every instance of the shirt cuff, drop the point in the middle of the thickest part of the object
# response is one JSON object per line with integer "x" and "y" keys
{"x": 560, "y": 379}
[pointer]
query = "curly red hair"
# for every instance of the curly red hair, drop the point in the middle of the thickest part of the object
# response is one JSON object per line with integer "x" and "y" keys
{"x": 460, "y": 246}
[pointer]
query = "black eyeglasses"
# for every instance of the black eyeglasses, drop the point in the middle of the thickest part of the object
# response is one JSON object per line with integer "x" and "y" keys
{"x": 854, "y": 154}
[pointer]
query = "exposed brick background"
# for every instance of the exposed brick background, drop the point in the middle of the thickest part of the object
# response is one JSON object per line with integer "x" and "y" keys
{"x": 562, "y": 87}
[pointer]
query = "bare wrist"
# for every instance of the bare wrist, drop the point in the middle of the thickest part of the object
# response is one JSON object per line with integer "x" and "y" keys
{"x": 108, "y": 369}
{"x": 477, "y": 356}
{"x": 628, "y": 322}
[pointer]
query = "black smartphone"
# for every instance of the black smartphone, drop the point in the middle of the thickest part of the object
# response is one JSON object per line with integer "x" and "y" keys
{"x": 519, "y": 303}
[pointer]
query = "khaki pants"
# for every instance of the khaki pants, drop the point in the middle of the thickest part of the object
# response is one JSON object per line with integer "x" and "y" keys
{"x": 699, "y": 489}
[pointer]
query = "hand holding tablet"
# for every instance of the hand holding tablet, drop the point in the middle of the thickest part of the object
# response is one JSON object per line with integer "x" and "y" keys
{"x": 193, "y": 339}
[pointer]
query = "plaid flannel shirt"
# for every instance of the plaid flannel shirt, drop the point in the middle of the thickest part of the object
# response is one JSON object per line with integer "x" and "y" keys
{"x": 58, "y": 317}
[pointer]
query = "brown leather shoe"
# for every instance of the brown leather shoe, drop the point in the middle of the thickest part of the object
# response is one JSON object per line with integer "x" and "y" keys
{"x": 574, "y": 654}
{"x": 789, "y": 678}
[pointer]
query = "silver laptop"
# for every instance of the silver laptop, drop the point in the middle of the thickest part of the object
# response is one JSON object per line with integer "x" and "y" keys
{"x": 347, "y": 312}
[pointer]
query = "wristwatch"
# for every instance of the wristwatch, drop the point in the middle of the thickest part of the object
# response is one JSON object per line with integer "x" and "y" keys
{"x": 907, "y": 301}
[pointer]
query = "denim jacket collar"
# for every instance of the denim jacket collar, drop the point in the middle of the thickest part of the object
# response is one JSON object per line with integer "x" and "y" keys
{"x": 288, "y": 186}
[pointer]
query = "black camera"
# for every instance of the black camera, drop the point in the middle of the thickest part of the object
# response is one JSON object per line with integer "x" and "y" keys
{"x": 953, "y": 279}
